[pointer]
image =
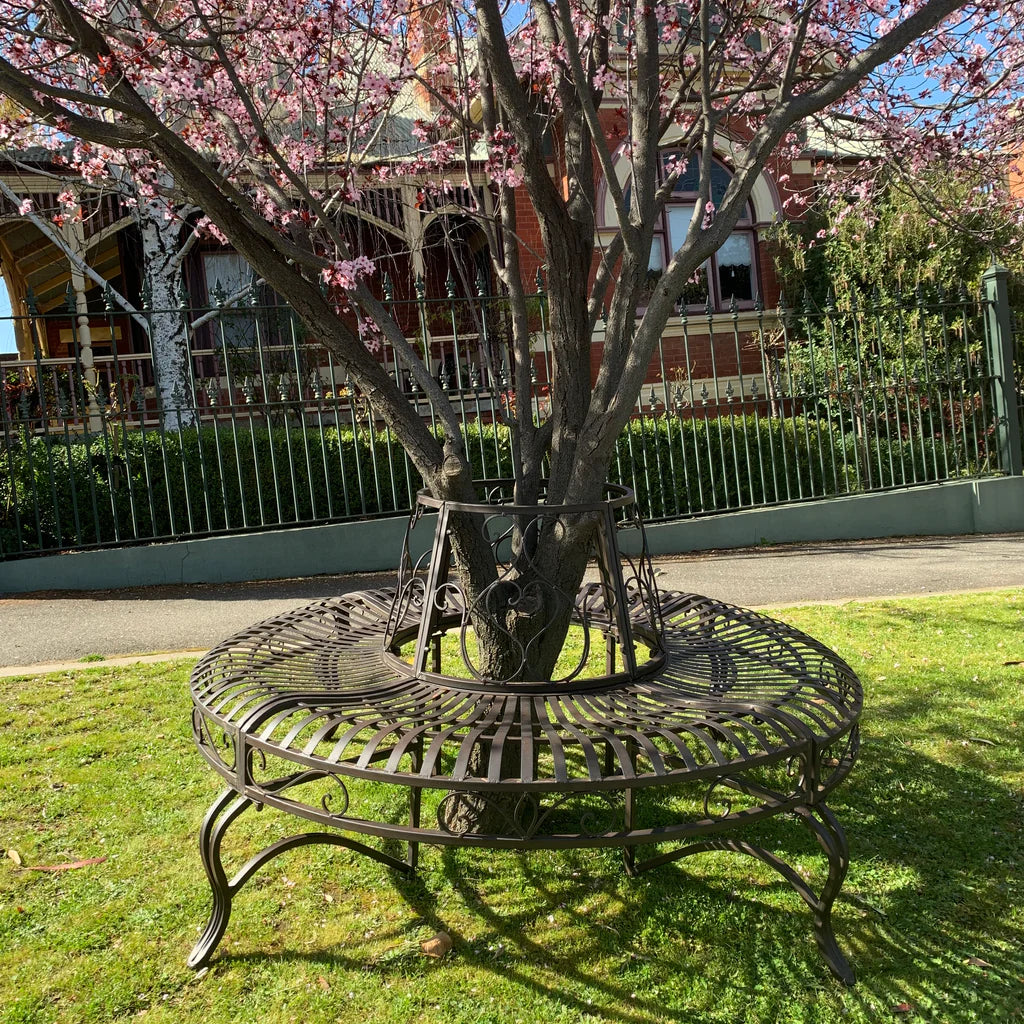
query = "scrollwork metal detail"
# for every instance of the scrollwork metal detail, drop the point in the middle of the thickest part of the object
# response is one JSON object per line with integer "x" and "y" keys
{"x": 460, "y": 814}
{"x": 835, "y": 761}
{"x": 522, "y": 604}
{"x": 591, "y": 821}
{"x": 711, "y": 795}
{"x": 410, "y": 593}
{"x": 524, "y": 817}
{"x": 522, "y": 590}
{"x": 326, "y": 802}
{"x": 214, "y": 738}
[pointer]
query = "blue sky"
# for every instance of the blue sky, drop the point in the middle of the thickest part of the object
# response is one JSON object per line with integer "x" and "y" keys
{"x": 6, "y": 327}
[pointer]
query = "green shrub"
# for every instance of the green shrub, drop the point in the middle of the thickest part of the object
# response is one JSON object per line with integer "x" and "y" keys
{"x": 76, "y": 491}
{"x": 70, "y": 491}
{"x": 690, "y": 466}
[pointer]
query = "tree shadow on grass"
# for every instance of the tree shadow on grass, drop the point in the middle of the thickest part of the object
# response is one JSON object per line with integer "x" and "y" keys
{"x": 929, "y": 914}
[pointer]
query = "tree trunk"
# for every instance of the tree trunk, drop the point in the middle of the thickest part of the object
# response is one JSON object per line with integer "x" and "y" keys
{"x": 520, "y": 616}
{"x": 167, "y": 329}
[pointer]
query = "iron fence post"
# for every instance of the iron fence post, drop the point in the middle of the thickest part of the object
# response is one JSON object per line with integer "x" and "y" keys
{"x": 999, "y": 340}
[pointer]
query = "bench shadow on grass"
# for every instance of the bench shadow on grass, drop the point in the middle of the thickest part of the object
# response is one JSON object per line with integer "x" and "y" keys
{"x": 932, "y": 884}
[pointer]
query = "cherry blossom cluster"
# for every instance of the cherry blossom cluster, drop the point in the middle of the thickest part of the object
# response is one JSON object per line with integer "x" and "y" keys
{"x": 299, "y": 104}
{"x": 346, "y": 274}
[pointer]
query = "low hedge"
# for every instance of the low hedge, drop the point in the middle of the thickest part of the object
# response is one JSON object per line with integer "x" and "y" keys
{"x": 684, "y": 467}
{"x": 68, "y": 491}
{"x": 61, "y": 492}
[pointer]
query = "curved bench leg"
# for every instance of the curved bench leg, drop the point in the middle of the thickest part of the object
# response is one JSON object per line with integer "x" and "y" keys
{"x": 219, "y": 818}
{"x": 832, "y": 839}
{"x": 211, "y": 833}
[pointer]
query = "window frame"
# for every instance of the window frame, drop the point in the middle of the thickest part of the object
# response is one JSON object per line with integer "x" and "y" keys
{"x": 686, "y": 198}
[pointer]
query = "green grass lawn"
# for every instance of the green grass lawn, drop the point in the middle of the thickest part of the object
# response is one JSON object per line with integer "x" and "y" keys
{"x": 100, "y": 763}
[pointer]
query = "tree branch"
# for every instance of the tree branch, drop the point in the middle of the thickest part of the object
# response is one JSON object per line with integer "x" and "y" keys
{"x": 77, "y": 261}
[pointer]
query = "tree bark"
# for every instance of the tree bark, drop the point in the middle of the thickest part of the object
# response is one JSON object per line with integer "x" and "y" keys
{"x": 168, "y": 332}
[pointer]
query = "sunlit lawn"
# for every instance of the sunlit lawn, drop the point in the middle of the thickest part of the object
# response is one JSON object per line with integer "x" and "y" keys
{"x": 100, "y": 763}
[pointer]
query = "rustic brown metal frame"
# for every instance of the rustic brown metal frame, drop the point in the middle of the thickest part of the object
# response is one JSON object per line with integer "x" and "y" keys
{"x": 731, "y": 718}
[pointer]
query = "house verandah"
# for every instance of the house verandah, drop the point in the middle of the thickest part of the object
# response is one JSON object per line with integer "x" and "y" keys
{"x": 53, "y": 262}
{"x": 79, "y": 291}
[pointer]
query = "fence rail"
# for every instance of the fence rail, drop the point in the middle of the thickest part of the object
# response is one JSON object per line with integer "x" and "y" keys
{"x": 742, "y": 409}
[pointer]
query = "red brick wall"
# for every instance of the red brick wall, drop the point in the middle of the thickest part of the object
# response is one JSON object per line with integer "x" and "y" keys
{"x": 700, "y": 363}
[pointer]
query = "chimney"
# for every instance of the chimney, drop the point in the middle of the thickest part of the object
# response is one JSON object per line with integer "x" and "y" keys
{"x": 430, "y": 50}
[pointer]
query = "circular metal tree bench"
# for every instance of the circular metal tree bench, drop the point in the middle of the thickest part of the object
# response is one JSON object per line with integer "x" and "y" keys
{"x": 705, "y": 720}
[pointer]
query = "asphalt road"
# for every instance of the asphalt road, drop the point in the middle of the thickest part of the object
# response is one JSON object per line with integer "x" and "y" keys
{"x": 52, "y": 628}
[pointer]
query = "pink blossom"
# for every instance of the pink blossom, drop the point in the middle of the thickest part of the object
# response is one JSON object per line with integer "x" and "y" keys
{"x": 346, "y": 274}
{"x": 326, "y": 105}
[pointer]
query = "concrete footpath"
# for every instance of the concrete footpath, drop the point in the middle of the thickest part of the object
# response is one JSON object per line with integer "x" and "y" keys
{"x": 50, "y": 629}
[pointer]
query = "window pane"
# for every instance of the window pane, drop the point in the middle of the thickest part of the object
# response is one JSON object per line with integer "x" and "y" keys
{"x": 736, "y": 268}
{"x": 678, "y": 225}
{"x": 226, "y": 270}
{"x": 720, "y": 179}
{"x": 736, "y": 251}
{"x": 688, "y": 179}
{"x": 657, "y": 260}
{"x": 695, "y": 291}
{"x": 688, "y": 182}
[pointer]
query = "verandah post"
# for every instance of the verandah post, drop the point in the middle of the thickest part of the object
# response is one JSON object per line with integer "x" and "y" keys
{"x": 999, "y": 341}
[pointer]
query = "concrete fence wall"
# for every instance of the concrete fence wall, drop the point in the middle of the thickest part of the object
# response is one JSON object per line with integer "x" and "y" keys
{"x": 948, "y": 509}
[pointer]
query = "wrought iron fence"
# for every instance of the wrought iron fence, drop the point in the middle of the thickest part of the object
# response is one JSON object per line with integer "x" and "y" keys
{"x": 742, "y": 409}
{"x": 1017, "y": 322}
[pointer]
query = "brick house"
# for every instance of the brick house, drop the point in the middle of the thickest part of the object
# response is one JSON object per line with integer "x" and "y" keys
{"x": 428, "y": 249}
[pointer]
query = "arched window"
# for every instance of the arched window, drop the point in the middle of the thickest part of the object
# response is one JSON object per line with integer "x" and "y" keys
{"x": 732, "y": 272}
